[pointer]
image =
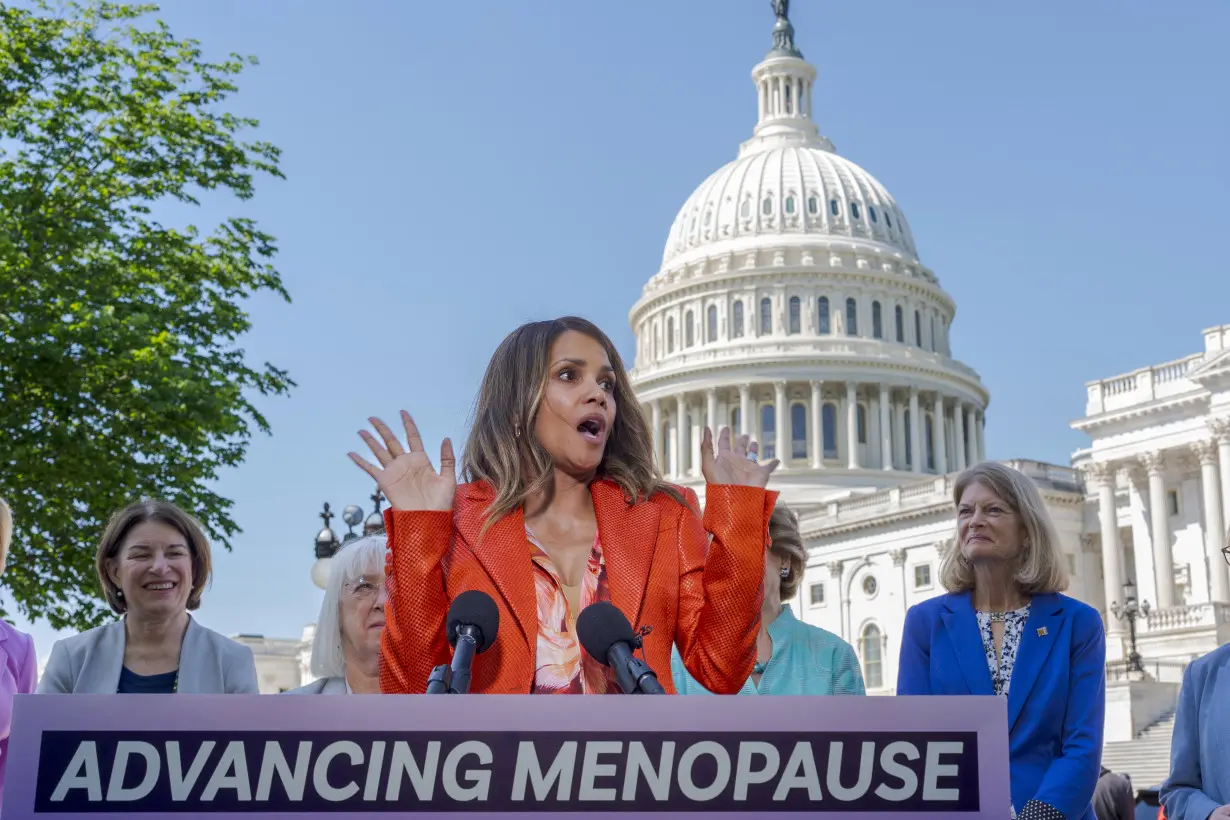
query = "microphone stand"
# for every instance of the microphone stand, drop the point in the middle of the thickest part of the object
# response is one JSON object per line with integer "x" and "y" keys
{"x": 455, "y": 679}
{"x": 634, "y": 676}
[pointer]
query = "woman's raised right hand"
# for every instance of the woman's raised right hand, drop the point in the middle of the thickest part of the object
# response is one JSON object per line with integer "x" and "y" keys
{"x": 407, "y": 479}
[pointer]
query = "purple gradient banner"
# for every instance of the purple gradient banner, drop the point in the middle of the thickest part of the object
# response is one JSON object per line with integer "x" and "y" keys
{"x": 221, "y": 756}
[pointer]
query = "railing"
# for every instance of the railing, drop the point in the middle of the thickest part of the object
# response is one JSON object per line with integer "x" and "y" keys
{"x": 1187, "y": 617}
{"x": 1140, "y": 386}
{"x": 1159, "y": 670}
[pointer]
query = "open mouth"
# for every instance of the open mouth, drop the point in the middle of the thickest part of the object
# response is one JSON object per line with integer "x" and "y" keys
{"x": 592, "y": 428}
{"x": 159, "y": 586}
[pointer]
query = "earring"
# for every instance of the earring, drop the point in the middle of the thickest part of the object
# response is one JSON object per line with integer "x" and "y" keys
{"x": 785, "y": 573}
{"x": 119, "y": 593}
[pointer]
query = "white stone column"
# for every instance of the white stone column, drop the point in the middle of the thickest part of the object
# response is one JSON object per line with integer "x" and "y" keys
{"x": 655, "y": 412}
{"x": 852, "y": 425}
{"x": 1102, "y": 476}
{"x": 697, "y": 436}
{"x": 1214, "y": 522}
{"x": 899, "y": 454}
{"x": 971, "y": 437}
{"x": 745, "y": 409}
{"x": 916, "y": 449}
{"x": 886, "y": 429}
{"x": 958, "y": 434}
{"x": 1159, "y": 519}
{"x": 677, "y": 451}
{"x": 817, "y": 425}
{"x": 783, "y": 417}
{"x": 980, "y": 423}
{"x": 939, "y": 431}
{"x": 1221, "y": 432}
{"x": 711, "y": 413}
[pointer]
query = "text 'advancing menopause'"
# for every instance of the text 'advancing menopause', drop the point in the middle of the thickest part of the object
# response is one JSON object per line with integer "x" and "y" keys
{"x": 261, "y": 771}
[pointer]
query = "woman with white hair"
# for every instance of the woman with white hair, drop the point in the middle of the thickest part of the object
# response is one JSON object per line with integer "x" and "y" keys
{"x": 346, "y": 650}
{"x": 18, "y": 665}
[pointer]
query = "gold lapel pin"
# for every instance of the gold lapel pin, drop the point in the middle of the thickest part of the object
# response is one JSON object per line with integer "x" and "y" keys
{"x": 1041, "y": 631}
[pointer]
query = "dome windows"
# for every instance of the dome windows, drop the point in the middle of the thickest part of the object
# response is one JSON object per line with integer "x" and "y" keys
{"x": 670, "y": 334}
{"x": 877, "y": 321}
{"x": 854, "y": 212}
{"x": 766, "y": 206}
{"x": 822, "y": 316}
{"x": 711, "y": 329}
{"x": 708, "y": 218}
{"x": 813, "y": 205}
{"x": 766, "y": 316}
{"x": 745, "y": 210}
{"x": 790, "y": 204}
{"x": 834, "y": 208}
{"x": 871, "y": 211}
{"x": 851, "y": 317}
{"x": 737, "y": 323}
{"x": 796, "y": 311}
{"x": 888, "y": 219}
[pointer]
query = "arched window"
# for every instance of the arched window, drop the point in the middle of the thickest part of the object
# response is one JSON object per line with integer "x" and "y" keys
{"x": 909, "y": 445}
{"x": 871, "y": 646}
{"x": 766, "y": 207}
{"x": 828, "y": 420}
{"x": 918, "y": 328}
{"x": 708, "y": 217}
{"x": 736, "y": 421}
{"x": 834, "y": 208}
{"x": 711, "y": 321}
{"x": 929, "y": 443}
{"x": 798, "y": 431}
{"x": 745, "y": 210}
{"x": 813, "y": 205}
{"x": 862, "y": 424}
{"x": 854, "y": 210}
{"x": 822, "y": 313}
{"x": 796, "y": 319}
{"x": 738, "y": 320}
{"x": 670, "y": 334}
{"x": 900, "y": 316}
{"x": 888, "y": 219}
{"x": 790, "y": 204}
{"x": 851, "y": 317}
{"x": 689, "y": 330}
{"x": 768, "y": 432}
{"x": 877, "y": 321}
{"x": 766, "y": 316}
{"x": 871, "y": 211}
{"x": 789, "y": 96}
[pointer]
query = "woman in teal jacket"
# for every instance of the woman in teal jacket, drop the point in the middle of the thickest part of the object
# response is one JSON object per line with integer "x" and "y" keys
{"x": 792, "y": 658}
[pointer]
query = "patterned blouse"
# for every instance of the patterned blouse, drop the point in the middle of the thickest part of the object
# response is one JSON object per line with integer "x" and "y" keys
{"x": 561, "y": 667}
{"x": 1014, "y": 627}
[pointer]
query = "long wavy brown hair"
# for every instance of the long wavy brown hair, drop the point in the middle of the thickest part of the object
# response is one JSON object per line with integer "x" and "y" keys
{"x": 501, "y": 448}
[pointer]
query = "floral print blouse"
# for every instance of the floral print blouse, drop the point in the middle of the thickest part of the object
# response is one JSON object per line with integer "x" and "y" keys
{"x": 562, "y": 668}
{"x": 1014, "y": 627}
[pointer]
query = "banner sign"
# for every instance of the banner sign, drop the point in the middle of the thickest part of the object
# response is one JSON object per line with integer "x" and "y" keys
{"x": 211, "y": 756}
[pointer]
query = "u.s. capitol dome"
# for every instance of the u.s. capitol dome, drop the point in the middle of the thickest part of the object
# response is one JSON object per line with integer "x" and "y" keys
{"x": 792, "y": 305}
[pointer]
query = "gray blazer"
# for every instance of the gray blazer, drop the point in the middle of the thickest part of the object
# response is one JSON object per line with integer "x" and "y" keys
{"x": 321, "y": 686}
{"x": 90, "y": 663}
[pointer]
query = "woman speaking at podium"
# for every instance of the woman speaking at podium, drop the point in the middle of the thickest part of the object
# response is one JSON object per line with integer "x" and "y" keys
{"x": 562, "y": 508}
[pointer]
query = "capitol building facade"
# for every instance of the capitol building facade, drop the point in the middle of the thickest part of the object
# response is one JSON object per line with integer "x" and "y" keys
{"x": 792, "y": 305}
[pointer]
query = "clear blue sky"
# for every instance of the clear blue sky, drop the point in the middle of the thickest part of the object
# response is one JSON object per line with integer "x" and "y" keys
{"x": 456, "y": 168}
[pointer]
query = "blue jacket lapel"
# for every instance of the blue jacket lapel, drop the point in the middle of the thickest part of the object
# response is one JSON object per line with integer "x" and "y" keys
{"x": 1041, "y": 631}
{"x": 962, "y": 627}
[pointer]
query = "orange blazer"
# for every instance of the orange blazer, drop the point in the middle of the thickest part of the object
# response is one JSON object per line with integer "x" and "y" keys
{"x": 662, "y": 572}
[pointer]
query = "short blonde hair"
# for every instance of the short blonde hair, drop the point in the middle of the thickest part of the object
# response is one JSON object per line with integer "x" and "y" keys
{"x": 164, "y": 512}
{"x": 6, "y": 533}
{"x": 788, "y": 544}
{"x": 1041, "y": 567}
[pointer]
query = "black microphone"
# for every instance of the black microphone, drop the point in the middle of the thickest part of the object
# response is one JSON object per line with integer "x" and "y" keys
{"x": 472, "y": 624}
{"x": 606, "y": 635}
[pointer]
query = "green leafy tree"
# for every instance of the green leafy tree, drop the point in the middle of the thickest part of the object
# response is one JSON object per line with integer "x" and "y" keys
{"x": 120, "y": 375}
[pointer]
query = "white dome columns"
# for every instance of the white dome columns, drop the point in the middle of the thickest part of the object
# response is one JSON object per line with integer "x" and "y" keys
{"x": 822, "y": 426}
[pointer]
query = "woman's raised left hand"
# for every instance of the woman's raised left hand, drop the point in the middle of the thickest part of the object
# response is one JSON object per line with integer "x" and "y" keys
{"x": 730, "y": 464}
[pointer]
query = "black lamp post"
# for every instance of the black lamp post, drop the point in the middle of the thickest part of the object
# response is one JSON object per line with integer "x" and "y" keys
{"x": 327, "y": 542}
{"x": 1131, "y": 610}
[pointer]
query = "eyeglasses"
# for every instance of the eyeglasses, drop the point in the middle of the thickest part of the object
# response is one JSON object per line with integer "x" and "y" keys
{"x": 1225, "y": 553}
{"x": 364, "y": 588}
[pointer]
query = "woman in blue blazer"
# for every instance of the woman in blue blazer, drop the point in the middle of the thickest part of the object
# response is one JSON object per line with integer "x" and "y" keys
{"x": 1003, "y": 629}
{"x": 1199, "y": 782}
